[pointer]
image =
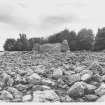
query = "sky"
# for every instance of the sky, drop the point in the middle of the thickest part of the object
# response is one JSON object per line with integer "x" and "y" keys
{"x": 41, "y": 18}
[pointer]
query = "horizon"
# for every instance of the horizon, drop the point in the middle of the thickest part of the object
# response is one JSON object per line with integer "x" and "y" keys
{"x": 37, "y": 18}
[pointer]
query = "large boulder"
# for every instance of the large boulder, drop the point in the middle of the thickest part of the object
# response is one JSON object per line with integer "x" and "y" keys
{"x": 45, "y": 96}
{"x": 101, "y": 99}
{"x": 16, "y": 94}
{"x": 5, "y": 95}
{"x": 77, "y": 90}
{"x": 4, "y": 78}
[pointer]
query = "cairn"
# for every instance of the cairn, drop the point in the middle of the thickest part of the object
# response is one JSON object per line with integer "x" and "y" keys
{"x": 36, "y": 48}
{"x": 64, "y": 46}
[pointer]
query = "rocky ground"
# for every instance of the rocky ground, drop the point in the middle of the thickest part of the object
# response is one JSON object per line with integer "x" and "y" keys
{"x": 52, "y": 77}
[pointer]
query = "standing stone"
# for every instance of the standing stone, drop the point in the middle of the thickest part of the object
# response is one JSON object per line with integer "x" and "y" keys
{"x": 36, "y": 48}
{"x": 64, "y": 46}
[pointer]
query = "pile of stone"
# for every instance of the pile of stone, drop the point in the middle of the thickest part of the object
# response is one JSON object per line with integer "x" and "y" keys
{"x": 52, "y": 77}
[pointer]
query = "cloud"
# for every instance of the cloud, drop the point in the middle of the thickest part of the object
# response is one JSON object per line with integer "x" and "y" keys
{"x": 57, "y": 20}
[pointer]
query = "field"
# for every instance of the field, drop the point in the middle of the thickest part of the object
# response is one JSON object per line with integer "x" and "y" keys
{"x": 52, "y": 77}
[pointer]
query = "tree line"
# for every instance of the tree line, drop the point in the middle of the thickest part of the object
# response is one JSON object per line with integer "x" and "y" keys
{"x": 83, "y": 40}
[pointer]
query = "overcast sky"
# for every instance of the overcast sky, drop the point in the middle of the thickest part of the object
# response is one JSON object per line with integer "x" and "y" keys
{"x": 45, "y": 17}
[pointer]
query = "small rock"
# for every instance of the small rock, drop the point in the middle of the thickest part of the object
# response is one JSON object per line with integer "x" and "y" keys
{"x": 103, "y": 78}
{"x": 101, "y": 90}
{"x": 27, "y": 98}
{"x": 79, "y": 100}
{"x": 47, "y": 82}
{"x": 90, "y": 88}
{"x": 22, "y": 72}
{"x": 86, "y": 77}
{"x": 91, "y": 97}
{"x": 101, "y": 99}
{"x": 77, "y": 90}
{"x": 41, "y": 88}
{"x": 40, "y": 69}
{"x": 45, "y": 96}
{"x": 66, "y": 99}
{"x": 5, "y": 95}
{"x": 10, "y": 82}
{"x": 79, "y": 69}
{"x": 97, "y": 78}
{"x": 21, "y": 87}
{"x": 34, "y": 79}
{"x": 97, "y": 84}
{"x": 74, "y": 78}
{"x": 4, "y": 78}
{"x": 96, "y": 68}
{"x": 57, "y": 73}
{"x": 18, "y": 79}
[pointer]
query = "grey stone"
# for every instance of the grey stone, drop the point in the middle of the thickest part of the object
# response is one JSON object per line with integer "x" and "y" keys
{"x": 5, "y": 95}
{"x": 41, "y": 88}
{"x": 57, "y": 73}
{"x": 16, "y": 94}
{"x": 101, "y": 90}
{"x": 34, "y": 78}
{"x": 45, "y": 96}
{"x": 101, "y": 99}
{"x": 27, "y": 97}
{"x": 91, "y": 97}
{"x": 77, "y": 90}
{"x": 86, "y": 76}
{"x": 90, "y": 88}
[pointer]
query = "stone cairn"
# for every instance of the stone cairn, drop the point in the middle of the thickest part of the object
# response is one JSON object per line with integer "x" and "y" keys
{"x": 36, "y": 48}
{"x": 64, "y": 46}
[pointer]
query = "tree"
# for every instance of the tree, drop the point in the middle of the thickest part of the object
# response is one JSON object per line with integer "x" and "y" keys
{"x": 85, "y": 39}
{"x": 64, "y": 35}
{"x": 22, "y": 44}
{"x": 9, "y": 45}
{"x": 58, "y": 37}
{"x": 100, "y": 40}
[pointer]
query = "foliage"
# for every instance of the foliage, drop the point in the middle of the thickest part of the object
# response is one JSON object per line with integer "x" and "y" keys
{"x": 9, "y": 44}
{"x": 99, "y": 43}
{"x": 85, "y": 39}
